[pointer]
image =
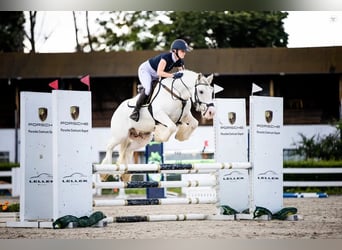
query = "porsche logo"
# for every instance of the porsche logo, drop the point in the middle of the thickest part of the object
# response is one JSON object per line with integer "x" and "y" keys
{"x": 42, "y": 113}
{"x": 268, "y": 116}
{"x": 232, "y": 117}
{"x": 74, "y": 112}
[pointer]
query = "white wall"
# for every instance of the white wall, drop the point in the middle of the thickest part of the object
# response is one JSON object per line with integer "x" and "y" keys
{"x": 7, "y": 142}
{"x": 100, "y": 137}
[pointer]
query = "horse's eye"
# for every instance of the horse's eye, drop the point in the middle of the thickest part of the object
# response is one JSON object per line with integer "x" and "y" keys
{"x": 201, "y": 92}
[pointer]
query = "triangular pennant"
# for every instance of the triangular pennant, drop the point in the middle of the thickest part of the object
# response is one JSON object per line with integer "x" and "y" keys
{"x": 54, "y": 84}
{"x": 217, "y": 88}
{"x": 86, "y": 81}
{"x": 255, "y": 88}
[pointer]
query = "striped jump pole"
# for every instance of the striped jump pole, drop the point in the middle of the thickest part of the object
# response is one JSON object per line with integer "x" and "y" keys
{"x": 168, "y": 168}
{"x": 156, "y": 184}
{"x": 155, "y": 218}
{"x": 153, "y": 201}
{"x": 167, "y": 217}
{"x": 305, "y": 195}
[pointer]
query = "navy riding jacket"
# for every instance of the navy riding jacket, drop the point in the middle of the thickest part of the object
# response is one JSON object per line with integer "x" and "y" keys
{"x": 154, "y": 61}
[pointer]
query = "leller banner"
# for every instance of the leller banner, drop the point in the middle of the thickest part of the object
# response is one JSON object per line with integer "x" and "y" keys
{"x": 266, "y": 150}
{"x": 71, "y": 153}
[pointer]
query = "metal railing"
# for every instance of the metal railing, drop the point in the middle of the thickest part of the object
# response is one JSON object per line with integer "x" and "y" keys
{"x": 312, "y": 171}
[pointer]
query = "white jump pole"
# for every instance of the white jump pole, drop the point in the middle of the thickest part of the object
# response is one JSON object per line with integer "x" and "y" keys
{"x": 155, "y": 218}
{"x": 208, "y": 181}
{"x": 170, "y": 168}
{"x": 153, "y": 201}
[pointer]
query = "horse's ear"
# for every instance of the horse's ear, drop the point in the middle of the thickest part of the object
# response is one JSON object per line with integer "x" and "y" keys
{"x": 210, "y": 78}
{"x": 199, "y": 76}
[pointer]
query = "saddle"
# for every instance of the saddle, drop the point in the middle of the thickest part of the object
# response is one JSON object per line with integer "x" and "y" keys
{"x": 148, "y": 99}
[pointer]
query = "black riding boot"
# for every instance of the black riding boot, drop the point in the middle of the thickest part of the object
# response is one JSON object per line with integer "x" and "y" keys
{"x": 136, "y": 112}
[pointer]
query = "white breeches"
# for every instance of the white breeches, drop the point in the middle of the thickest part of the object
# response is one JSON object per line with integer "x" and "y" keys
{"x": 146, "y": 74}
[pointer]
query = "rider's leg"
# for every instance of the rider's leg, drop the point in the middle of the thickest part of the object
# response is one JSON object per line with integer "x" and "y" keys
{"x": 145, "y": 79}
{"x": 141, "y": 100}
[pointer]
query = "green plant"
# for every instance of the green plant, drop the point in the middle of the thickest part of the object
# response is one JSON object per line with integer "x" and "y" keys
{"x": 7, "y": 207}
{"x": 8, "y": 165}
{"x": 313, "y": 164}
{"x": 307, "y": 147}
{"x": 328, "y": 147}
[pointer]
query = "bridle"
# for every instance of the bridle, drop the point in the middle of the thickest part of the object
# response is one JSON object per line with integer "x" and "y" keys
{"x": 197, "y": 102}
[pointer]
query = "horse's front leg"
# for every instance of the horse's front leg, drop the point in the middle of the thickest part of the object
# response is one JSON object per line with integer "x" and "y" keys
{"x": 125, "y": 154}
{"x": 109, "y": 156}
{"x": 109, "y": 152}
{"x": 164, "y": 130}
{"x": 189, "y": 124}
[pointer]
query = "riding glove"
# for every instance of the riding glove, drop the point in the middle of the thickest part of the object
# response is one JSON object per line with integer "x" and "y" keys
{"x": 177, "y": 75}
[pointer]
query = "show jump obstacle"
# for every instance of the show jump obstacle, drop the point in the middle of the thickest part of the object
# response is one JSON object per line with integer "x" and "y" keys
{"x": 57, "y": 173}
{"x": 55, "y": 157}
{"x": 263, "y": 186}
{"x": 249, "y": 166}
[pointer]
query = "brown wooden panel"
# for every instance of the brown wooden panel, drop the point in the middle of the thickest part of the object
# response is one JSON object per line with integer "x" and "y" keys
{"x": 221, "y": 61}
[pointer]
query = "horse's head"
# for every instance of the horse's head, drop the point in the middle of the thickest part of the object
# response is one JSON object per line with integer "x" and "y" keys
{"x": 197, "y": 87}
{"x": 203, "y": 96}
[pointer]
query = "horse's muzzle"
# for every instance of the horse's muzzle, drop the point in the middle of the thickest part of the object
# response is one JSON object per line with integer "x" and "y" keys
{"x": 209, "y": 112}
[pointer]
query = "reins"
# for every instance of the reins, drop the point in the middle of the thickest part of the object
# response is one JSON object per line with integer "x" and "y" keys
{"x": 173, "y": 94}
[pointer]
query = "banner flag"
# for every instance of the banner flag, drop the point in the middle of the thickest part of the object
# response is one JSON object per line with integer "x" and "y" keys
{"x": 255, "y": 88}
{"x": 54, "y": 84}
{"x": 217, "y": 88}
{"x": 86, "y": 81}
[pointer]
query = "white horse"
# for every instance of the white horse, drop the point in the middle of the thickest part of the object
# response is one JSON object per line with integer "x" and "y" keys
{"x": 167, "y": 112}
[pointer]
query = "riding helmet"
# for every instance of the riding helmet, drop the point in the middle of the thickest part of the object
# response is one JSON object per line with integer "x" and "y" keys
{"x": 180, "y": 44}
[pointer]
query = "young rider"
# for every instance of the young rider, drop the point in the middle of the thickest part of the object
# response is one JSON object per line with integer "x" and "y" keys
{"x": 159, "y": 67}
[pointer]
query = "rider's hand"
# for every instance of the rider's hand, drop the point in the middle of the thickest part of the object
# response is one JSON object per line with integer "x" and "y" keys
{"x": 177, "y": 75}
